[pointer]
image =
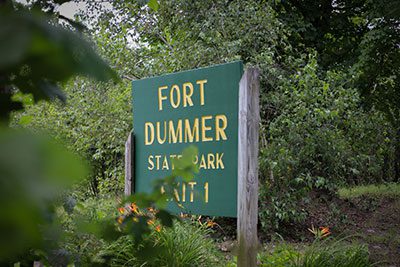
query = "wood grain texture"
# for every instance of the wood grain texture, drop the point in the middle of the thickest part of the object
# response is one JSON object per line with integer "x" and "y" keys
{"x": 249, "y": 118}
{"x": 129, "y": 149}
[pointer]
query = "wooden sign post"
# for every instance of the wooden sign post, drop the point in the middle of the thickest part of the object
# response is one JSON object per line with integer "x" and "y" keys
{"x": 129, "y": 156}
{"x": 247, "y": 216}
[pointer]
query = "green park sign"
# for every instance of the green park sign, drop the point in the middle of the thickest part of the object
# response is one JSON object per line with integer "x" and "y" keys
{"x": 196, "y": 107}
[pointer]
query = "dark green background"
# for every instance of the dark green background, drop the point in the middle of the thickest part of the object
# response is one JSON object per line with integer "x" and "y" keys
{"x": 221, "y": 97}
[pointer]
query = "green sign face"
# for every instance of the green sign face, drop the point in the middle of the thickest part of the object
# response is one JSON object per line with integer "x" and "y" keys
{"x": 197, "y": 107}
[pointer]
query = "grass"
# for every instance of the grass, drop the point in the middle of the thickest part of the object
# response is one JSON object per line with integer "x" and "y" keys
{"x": 185, "y": 244}
{"x": 319, "y": 254}
{"x": 338, "y": 254}
{"x": 376, "y": 191}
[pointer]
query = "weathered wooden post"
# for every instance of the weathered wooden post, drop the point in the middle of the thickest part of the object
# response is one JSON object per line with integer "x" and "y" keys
{"x": 249, "y": 118}
{"x": 129, "y": 157}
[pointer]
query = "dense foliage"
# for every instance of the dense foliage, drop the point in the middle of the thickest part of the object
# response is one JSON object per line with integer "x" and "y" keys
{"x": 36, "y": 173}
{"x": 185, "y": 244}
{"x": 35, "y": 57}
{"x": 360, "y": 37}
{"x": 323, "y": 125}
{"x": 94, "y": 123}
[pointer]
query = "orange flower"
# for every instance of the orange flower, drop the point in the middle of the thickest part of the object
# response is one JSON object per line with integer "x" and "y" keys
{"x": 134, "y": 208}
{"x": 324, "y": 231}
{"x": 211, "y": 223}
{"x": 158, "y": 228}
{"x": 320, "y": 232}
{"x": 121, "y": 210}
{"x": 120, "y": 219}
{"x": 150, "y": 222}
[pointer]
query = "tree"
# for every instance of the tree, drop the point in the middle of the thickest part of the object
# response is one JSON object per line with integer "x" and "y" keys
{"x": 358, "y": 37}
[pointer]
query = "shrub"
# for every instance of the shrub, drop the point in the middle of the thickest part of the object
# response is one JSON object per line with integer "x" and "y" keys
{"x": 94, "y": 125}
{"x": 185, "y": 244}
{"x": 82, "y": 246}
{"x": 316, "y": 141}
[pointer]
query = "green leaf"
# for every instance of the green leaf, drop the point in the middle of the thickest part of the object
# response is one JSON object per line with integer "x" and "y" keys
{"x": 184, "y": 166}
{"x": 25, "y": 120}
{"x": 153, "y": 4}
{"x": 51, "y": 52}
{"x": 139, "y": 228}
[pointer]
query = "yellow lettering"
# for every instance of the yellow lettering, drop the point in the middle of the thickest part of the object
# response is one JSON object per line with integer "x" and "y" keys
{"x": 165, "y": 164}
{"x": 203, "y": 164}
{"x": 201, "y": 83}
{"x": 210, "y": 161}
{"x": 149, "y": 133}
{"x": 205, "y": 128}
{"x": 219, "y": 162}
{"x": 191, "y": 133}
{"x": 183, "y": 192}
{"x": 161, "y": 141}
{"x": 175, "y": 135}
{"x": 175, "y": 88}
{"x": 158, "y": 157}
{"x": 206, "y": 192}
{"x": 187, "y": 96}
{"x": 192, "y": 184}
{"x": 151, "y": 163}
{"x": 161, "y": 97}
{"x": 176, "y": 194}
{"x": 220, "y": 129}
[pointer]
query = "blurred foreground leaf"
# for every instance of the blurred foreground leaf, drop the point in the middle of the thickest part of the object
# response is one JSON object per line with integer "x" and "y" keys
{"x": 34, "y": 171}
{"x": 36, "y": 55}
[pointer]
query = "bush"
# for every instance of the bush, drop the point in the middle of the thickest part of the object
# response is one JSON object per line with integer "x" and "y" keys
{"x": 317, "y": 141}
{"x": 94, "y": 125}
{"x": 185, "y": 244}
{"x": 83, "y": 247}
